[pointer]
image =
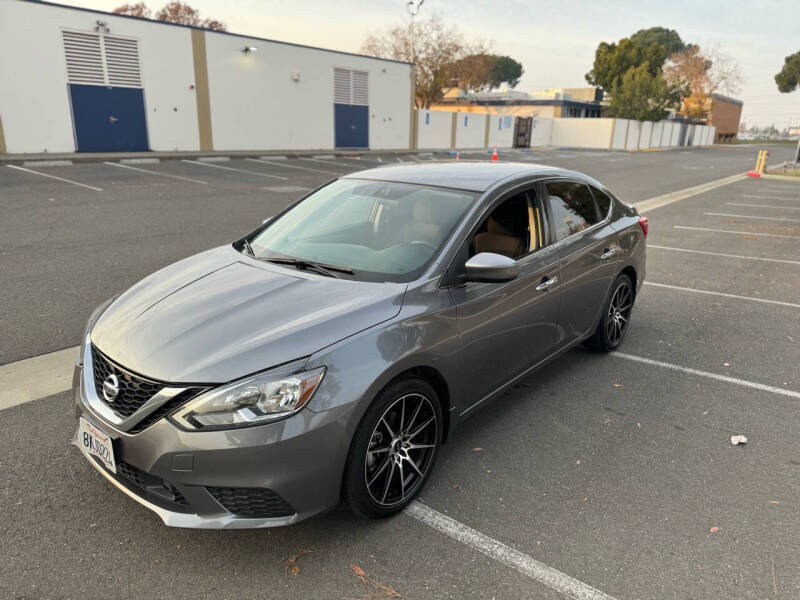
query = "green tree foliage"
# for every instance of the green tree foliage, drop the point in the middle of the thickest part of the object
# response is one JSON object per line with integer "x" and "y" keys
{"x": 668, "y": 38}
{"x": 641, "y": 95}
{"x": 631, "y": 72}
{"x": 788, "y": 79}
{"x": 504, "y": 69}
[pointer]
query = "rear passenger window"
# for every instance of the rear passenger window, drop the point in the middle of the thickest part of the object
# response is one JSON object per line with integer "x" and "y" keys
{"x": 572, "y": 207}
{"x": 603, "y": 202}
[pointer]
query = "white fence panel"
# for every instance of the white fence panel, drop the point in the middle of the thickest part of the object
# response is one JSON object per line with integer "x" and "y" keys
{"x": 645, "y": 134}
{"x": 634, "y": 130}
{"x": 712, "y": 134}
{"x": 470, "y": 131}
{"x": 433, "y": 129}
{"x": 542, "y": 131}
{"x": 620, "y": 134}
{"x": 582, "y": 133}
{"x": 676, "y": 135}
{"x": 501, "y": 131}
{"x": 658, "y": 131}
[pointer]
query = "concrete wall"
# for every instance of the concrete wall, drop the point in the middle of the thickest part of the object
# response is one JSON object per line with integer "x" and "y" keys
{"x": 620, "y": 134}
{"x": 655, "y": 136}
{"x": 645, "y": 135}
{"x": 501, "y": 131}
{"x": 433, "y": 129}
{"x": 470, "y": 131}
{"x": 582, "y": 133}
{"x": 542, "y": 131}
{"x": 634, "y": 131}
{"x": 254, "y": 101}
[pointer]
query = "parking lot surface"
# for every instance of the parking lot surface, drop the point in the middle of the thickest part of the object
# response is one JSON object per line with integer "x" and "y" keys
{"x": 614, "y": 470}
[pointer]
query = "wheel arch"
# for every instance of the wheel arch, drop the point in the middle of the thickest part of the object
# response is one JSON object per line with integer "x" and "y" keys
{"x": 435, "y": 378}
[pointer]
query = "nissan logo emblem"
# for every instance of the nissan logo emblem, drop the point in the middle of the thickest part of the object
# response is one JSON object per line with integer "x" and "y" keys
{"x": 111, "y": 388}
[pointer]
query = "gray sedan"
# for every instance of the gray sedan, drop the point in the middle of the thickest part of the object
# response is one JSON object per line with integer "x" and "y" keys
{"x": 327, "y": 355}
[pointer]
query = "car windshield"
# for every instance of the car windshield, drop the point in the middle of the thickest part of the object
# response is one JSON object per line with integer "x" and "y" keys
{"x": 383, "y": 231}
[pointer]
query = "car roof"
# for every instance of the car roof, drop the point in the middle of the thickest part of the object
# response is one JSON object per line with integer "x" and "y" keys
{"x": 474, "y": 176}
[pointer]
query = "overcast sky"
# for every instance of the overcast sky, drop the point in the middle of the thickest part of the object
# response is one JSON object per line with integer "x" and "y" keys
{"x": 555, "y": 41}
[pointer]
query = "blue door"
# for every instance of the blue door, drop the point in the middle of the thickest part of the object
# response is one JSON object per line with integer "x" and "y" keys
{"x": 108, "y": 119}
{"x": 351, "y": 126}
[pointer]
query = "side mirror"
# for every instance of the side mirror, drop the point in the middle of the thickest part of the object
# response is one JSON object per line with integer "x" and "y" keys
{"x": 491, "y": 268}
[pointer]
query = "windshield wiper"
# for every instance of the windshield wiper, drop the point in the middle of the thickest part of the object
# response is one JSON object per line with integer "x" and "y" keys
{"x": 322, "y": 268}
{"x": 248, "y": 247}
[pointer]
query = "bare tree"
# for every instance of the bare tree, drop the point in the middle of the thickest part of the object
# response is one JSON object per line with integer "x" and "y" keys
{"x": 134, "y": 10}
{"x": 173, "y": 12}
{"x": 433, "y": 48}
{"x": 180, "y": 12}
{"x": 700, "y": 73}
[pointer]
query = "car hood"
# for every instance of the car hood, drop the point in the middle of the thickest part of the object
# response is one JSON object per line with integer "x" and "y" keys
{"x": 218, "y": 316}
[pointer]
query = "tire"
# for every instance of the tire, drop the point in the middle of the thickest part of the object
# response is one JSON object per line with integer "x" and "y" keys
{"x": 616, "y": 316}
{"x": 393, "y": 450}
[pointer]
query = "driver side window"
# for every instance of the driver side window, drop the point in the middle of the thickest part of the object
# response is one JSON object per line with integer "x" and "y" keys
{"x": 512, "y": 229}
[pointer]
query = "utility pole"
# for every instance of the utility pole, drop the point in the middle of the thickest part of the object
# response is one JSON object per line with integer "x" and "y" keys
{"x": 413, "y": 6}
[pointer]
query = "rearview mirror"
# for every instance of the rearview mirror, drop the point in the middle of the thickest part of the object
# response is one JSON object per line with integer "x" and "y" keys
{"x": 491, "y": 268}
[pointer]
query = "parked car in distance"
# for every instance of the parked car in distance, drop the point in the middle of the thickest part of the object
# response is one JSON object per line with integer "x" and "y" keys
{"x": 328, "y": 354}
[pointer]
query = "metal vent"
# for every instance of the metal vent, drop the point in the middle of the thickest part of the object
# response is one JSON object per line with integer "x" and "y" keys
{"x": 350, "y": 87}
{"x": 98, "y": 59}
{"x": 122, "y": 61}
{"x": 361, "y": 88}
{"x": 84, "y": 57}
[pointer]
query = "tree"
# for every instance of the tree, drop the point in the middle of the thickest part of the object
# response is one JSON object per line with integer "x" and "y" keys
{"x": 641, "y": 95}
{"x": 134, "y": 10}
{"x": 613, "y": 61}
{"x": 668, "y": 38}
{"x": 700, "y": 73}
{"x": 432, "y": 47}
{"x": 485, "y": 71}
{"x": 180, "y": 12}
{"x": 504, "y": 69}
{"x": 173, "y": 12}
{"x": 788, "y": 79}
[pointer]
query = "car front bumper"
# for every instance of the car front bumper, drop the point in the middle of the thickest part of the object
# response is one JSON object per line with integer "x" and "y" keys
{"x": 263, "y": 476}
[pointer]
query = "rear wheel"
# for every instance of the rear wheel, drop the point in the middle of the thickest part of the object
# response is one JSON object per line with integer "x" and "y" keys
{"x": 616, "y": 317}
{"x": 393, "y": 450}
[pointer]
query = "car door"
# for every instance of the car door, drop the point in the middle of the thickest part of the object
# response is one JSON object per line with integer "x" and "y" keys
{"x": 505, "y": 328}
{"x": 587, "y": 247}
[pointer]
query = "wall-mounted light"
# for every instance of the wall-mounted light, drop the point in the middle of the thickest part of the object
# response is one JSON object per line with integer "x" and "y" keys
{"x": 249, "y": 49}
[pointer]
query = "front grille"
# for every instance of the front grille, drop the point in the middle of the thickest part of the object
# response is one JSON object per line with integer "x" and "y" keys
{"x": 133, "y": 391}
{"x": 167, "y": 408}
{"x": 251, "y": 502}
{"x": 150, "y": 484}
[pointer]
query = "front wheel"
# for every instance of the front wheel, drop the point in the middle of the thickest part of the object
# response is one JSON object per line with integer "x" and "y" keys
{"x": 616, "y": 316}
{"x": 393, "y": 449}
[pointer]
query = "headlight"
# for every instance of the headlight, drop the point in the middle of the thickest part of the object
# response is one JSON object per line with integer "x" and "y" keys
{"x": 251, "y": 401}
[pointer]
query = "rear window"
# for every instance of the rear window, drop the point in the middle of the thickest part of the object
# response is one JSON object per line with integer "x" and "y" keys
{"x": 572, "y": 207}
{"x": 603, "y": 202}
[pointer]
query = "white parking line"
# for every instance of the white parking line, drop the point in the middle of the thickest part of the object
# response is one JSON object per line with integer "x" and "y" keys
{"x": 724, "y": 295}
{"x": 763, "y": 205}
{"x": 510, "y": 557}
{"x": 91, "y": 187}
{"x": 37, "y": 377}
{"x": 113, "y": 164}
{"x": 740, "y": 382}
{"x": 775, "y": 235}
{"x": 766, "y": 197}
{"x": 326, "y": 161}
{"x": 782, "y": 219}
{"x": 776, "y": 260}
{"x": 285, "y": 166}
{"x": 204, "y": 164}
{"x": 672, "y": 197}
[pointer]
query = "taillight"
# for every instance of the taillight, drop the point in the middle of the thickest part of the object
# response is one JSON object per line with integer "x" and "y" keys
{"x": 643, "y": 223}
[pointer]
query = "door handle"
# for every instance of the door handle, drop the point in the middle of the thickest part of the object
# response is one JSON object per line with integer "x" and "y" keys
{"x": 608, "y": 253}
{"x": 545, "y": 285}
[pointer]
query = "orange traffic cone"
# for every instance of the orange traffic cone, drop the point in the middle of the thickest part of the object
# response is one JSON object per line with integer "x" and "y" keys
{"x": 494, "y": 153}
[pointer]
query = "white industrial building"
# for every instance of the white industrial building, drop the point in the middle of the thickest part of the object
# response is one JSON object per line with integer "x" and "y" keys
{"x": 74, "y": 79}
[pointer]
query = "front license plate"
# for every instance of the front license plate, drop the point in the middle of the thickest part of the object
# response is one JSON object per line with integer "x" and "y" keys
{"x": 96, "y": 443}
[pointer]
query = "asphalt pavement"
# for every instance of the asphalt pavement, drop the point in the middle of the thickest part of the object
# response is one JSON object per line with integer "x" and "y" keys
{"x": 615, "y": 470}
